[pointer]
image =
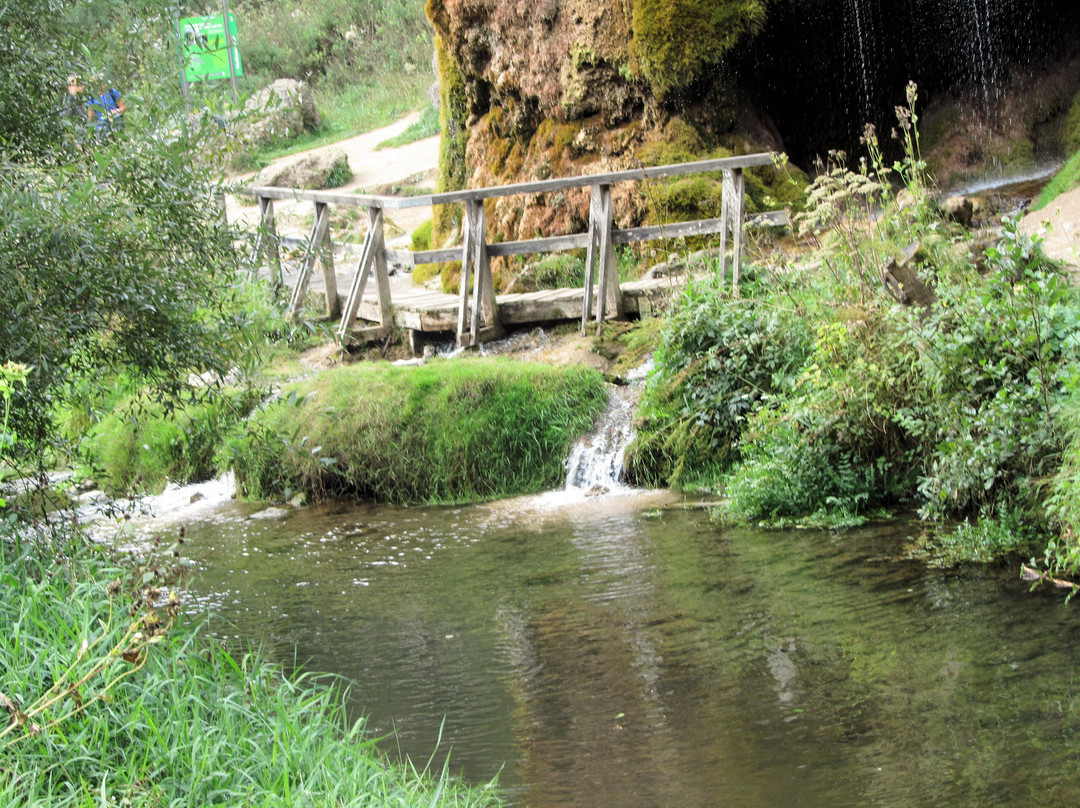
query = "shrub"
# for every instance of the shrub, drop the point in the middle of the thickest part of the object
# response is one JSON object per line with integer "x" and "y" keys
{"x": 953, "y": 401}
{"x": 718, "y": 358}
{"x": 141, "y": 444}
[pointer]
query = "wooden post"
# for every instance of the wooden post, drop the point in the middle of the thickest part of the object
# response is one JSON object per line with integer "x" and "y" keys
{"x": 484, "y": 288}
{"x": 595, "y": 215}
{"x": 474, "y": 259}
{"x": 266, "y": 242}
{"x": 372, "y": 255}
{"x": 733, "y": 208}
{"x": 738, "y": 203}
{"x": 608, "y": 296}
{"x": 319, "y": 246}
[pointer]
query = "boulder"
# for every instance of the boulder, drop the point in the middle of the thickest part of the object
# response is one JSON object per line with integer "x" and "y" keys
{"x": 959, "y": 209}
{"x": 311, "y": 171}
{"x": 284, "y": 109}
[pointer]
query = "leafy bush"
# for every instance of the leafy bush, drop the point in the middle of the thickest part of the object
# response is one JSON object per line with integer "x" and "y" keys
{"x": 952, "y": 398}
{"x": 718, "y": 358}
{"x": 994, "y": 357}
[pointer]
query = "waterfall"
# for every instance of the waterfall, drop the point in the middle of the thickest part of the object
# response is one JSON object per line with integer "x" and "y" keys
{"x": 595, "y": 465}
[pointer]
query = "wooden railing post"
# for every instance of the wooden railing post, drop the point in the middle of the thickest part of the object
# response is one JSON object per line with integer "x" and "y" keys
{"x": 372, "y": 256}
{"x": 608, "y": 296}
{"x": 732, "y": 213}
{"x": 266, "y": 243}
{"x": 319, "y": 246}
{"x": 595, "y": 215}
{"x": 475, "y": 270}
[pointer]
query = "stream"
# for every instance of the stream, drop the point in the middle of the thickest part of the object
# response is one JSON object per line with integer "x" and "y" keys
{"x": 623, "y": 650}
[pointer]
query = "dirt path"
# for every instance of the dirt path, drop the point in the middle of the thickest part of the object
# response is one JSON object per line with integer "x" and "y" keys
{"x": 1061, "y": 222}
{"x": 374, "y": 171}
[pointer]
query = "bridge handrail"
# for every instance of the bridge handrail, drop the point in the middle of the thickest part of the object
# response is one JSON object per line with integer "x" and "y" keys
{"x": 475, "y": 251}
{"x": 533, "y": 187}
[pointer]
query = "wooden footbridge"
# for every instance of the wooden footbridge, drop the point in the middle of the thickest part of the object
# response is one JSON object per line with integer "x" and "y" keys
{"x": 475, "y": 315}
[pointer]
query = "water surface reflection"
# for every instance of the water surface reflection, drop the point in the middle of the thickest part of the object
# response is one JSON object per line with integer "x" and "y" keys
{"x": 611, "y": 651}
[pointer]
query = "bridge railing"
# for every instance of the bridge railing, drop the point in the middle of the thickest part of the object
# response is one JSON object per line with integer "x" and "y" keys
{"x": 478, "y": 316}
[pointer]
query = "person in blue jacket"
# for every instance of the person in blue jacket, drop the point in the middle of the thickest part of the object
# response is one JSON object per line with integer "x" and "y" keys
{"x": 107, "y": 110}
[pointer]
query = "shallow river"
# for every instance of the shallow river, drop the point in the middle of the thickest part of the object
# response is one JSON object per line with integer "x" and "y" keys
{"x": 618, "y": 651}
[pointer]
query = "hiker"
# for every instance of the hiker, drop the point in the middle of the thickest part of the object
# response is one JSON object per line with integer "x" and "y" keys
{"x": 75, "y": 101}
{"x": 106, "y": 110}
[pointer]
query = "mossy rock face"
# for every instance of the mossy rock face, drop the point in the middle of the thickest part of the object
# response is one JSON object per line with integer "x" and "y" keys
{"x": 1071, "y": 135}
{"x": 452, "y": 122}
{"x": 573, "y": 88}
{"x": 676, "y": 41}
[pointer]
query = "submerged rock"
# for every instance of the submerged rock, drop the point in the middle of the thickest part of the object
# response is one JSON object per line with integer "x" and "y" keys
{"x": 270, "y": 513}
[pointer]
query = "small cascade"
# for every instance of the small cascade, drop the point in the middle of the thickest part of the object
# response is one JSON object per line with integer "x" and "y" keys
{"x": 595, "y": 465}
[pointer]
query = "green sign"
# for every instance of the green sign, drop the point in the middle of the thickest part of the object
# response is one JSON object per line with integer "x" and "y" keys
{"x": 205, "y": 48}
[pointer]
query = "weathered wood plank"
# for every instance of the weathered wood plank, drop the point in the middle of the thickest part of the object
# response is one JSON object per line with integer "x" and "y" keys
{"x": 609, "y": 178}
{"x": 536, "y": 187}
{"x": 315, "y": 246}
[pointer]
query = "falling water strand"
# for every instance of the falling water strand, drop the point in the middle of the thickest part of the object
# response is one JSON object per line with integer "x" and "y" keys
{"x": 861, "y": 41}
{"x": 981, "y": 68}
{"x": 595, "y": 465}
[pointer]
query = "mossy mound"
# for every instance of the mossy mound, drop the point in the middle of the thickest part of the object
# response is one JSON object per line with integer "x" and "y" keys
{"x": 449, "y": 431}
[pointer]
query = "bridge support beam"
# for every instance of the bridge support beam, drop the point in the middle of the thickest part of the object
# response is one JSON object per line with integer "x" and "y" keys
{"x": 372, "y": 259}
{"x": 319, "y": 246}
{"x": 600, "y": 260}
{"x": 266, "y": 243}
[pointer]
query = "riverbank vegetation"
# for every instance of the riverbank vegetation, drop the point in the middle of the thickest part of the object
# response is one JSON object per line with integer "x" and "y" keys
{"x": 119, "y": 276}
{"x": 901, "y": 366}
{"x": 111, "y": 698}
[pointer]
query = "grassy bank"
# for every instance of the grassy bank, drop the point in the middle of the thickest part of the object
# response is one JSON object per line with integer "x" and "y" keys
{"x": 450, "y": 431}
{"x": 112, "y": 699}
{"x": 1064, "y": 181}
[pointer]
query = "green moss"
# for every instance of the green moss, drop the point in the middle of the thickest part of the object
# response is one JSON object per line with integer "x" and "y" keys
{"x": 563, "y": 136}
{"x": 498, "y": 151}
{"x": 421, "y": 237}
{"x": 450, "y": 275}
{"x": 422, "y": 273}
{"x": 681, "y": 143}
{"x": 682, "y": 198}
{"x": 675, "y": 41}
{"x": 767, "y": 187}
{"x": 453, "y": 114}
